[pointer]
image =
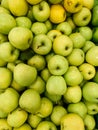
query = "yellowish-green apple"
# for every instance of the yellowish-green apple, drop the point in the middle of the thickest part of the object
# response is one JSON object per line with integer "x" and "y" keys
{"x": 4, "y": 124}
{"x": 25, "y": 126}
{"x": 33, "y": 2}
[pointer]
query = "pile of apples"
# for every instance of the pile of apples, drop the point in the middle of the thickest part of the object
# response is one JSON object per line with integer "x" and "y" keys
{"x": 48, "y": 64}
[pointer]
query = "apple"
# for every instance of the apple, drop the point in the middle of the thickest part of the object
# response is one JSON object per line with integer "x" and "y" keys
{"x": 24, "y": 74}
{"x": 33, "y": 98}
{"x": 18, "y": 8}
{"x": 76, "y": 57}
{"x": 49, "y": 56}
{"x": 91, "y": 56}
{"x": 89, "y": 122}
{"x": 41, "y": 11}
{"x": 46, "y": 125}
{"x": 57, "y": 113}
{"x": 45, "y": 74}
{"x": 88, "y": 71}
{"x": 71, "y": 22}
{"x": 42, "y": 44}
{"x": 3, "y": 38}
{"x": 89, "y": 91}
{"x": 86, "y": 32}
{"x": 38, "y": 85}
{"x": 4, "y": 3}
{"x": 72, "y": 121}
{"x": 64, "y": 28}
{"x": 25, "y": 126}
{"x": 56, "y": 85}
{"x": 4, "y": 124}
{"x": 77, "y": 39}
{"x": 73, "y": 76}
{"x": 79, "y": 108}
{"x": 73, "y": 94}
{"x": 88, "y": 3}
{"x": 34, "y": 120}
{"x": 17, "y": 117}
{"x": 3, "y": 114}
{"x": 11, "y": 102}
{"x": 55, "y": 1}
{"x": 38, "y": 28}
{"x": 8, "y": 21}
{"x": 48, "y": 24}
{"x": 95, "y": 33}
{"x": 23, "y": 21}
{"x": 62, "y": 45}
{"x": 6, "y": 77}
{"x": 24, "y": 38}
{"x": 58, "y": 65}
{"x": 38, "y": 61}
{"x": 95, "y": 78}
{"x": 2, "y": 63}
{"x": 4, "y": 10}
{"x": 46, "y": 108}
{"x": 33, "y": 2}
{"x": 83, "y": 17}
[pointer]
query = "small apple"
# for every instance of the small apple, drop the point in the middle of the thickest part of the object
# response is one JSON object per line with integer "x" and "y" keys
{"x": 41, "y": 11}
{"x": 33, "y": 2}
{"x": 24, "y": 74}
{"x": 25, "y": 126}
{"x": 77, "y": 39}
{"x": 79, "y": 108}
{"x": 38, "y": 61}
{"x": 58, "y": 65}
{"x": 8, "y": 21}
{"x": 48, "y": 24}
{"x": 62, "y": 45}
{"x": 17, "y": 117}
{"x": 73, "y": 94}
{"x": 88, "y": 71}
{"x": 88, "y": 3}
{"x": 64, "y": 28}
{"x": 89, "y": 91}
{"x": 46, "y": 125}
{"x": 71, "y": 22}
{"x": 55, "y": 1}
{"x": 73, "y": 76}
{"x": 56, "y": 85}
{"x": 57, "y": 113}
{"x": 2, "y": 63}
{"x": 45, "y": 74}
{"x": 11, "y": 102}
{"x": 76, "y": 57}
{"x": 30, "y": 100}
{"x": 6, "y": 77}
{"x": 23, "y": 40}
{"x": 4, "y": 125}
{"x": 42, "y": 44}
{"x": 83, "y": 17}
{"x": 49, "y": 56}
{"x": 95, "y": 78}
{"x": 33, "y": 120}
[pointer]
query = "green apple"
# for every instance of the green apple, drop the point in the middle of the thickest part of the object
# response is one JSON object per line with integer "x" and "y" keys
{"x": 33, "y": 2}
{"x": 48, "y": 24}
{"x": 3, "y": 114}
{"x": 4, "y": 10}
{"x": 24, "y": 74}
{"x": 30, "y": 100}
{"x": 17, "y": 117}
{"x": 92, "y": 56}
{"x": 94, "y": 36}
{"x": 6, "y": 77}
{"x": 38, "y": 85}
{"x": 18, "y": 8}
{"x": 56, "y": 85}
{"x": 83, "y": 17}
{"x": 46, "y": 125}
{"x": 86, "y": 32}
{"x": 23, "y": 21}
{"x": 88, "y": 3}
{"x": 64, "y": 28}
{"x": 62, "y": 45}
{"x": 79, "y": 108}
{"x": 11, "y": 102}
{"x": 58, "y": 65}
{"x": 3, "y": 38}
{"x": 49, "y": 55}
{"x": 38, "y": 61}
{"x": 4, "y": 125}
{"x": 89, "y": 122}
{"x": 4, "y": 3}
{"x": 77, "y": 39}
{"x": 24, "y": 38}
{"x": 25, "y": 126}
{"x": 42, "y": 44}
{"x": 89, "y": 91}
{"x": 95, "y": 78}
{"x": 33, "y": 120}
{"x": 57, "y": 113}
{"x": 55, "y": 1}
{"x": 76, "y": 57}
{"x": 73, "y": 94}
{"x": 73, "y": 76}
{"x": 45, "y": 74}
{"x": 41, "y": 11}
{"x": 46, "y": 108}
{"x": 88, "y": 71}
{"x": 38, "y": 28}
{"x": 8, "y": 21}
{"x": 71, "y": 22}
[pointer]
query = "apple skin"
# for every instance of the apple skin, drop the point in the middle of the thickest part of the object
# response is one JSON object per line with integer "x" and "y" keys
{"x": 41, "y": 11}
{"x": 25, "y": 126}
{"x": 89, "y": 91}
{"x": 4, "y": 124}
{"x": 22, "y": 42}
{"x": 55, "y": 1}
{"x": 34, "y": 2}
{"x": 45, "y": 74}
